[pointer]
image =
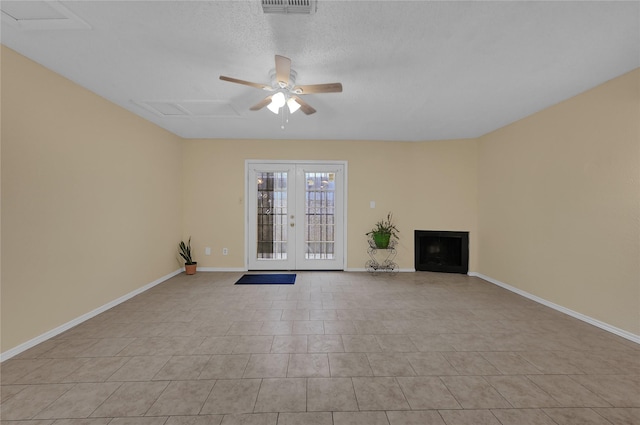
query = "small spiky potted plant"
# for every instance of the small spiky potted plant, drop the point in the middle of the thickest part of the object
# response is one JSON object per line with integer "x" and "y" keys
{"x": 383, "y": 232}
{"x": 185, "y": 253}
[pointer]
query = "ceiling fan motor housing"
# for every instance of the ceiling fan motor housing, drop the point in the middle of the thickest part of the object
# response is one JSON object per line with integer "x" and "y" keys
{"x": 276, "y": 84}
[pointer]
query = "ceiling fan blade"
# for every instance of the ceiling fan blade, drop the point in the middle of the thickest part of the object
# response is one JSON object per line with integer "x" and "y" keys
{"x": 304, "y": 106}
{"x": 264, "y": 102}
{"x": 283, "y": 70}
{"x": 247, "y": 83}
{"x": 318, "y": 88}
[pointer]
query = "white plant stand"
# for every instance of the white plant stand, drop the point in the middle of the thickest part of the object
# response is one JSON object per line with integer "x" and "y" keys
{"x": 382, "y": 258}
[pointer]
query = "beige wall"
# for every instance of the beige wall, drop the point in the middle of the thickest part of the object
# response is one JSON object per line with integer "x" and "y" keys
{"x": 91, "y": 201}
{"x": 430, "y": 185}
{"x": 559, "y": 203}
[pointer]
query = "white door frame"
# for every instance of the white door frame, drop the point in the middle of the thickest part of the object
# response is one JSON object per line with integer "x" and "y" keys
{"x": 249, "y": 162}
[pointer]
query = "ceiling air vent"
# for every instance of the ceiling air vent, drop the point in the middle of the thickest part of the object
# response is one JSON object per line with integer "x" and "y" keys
{"x": 288, "y": 7}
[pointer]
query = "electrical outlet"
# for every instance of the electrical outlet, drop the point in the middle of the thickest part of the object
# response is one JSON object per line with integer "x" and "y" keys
{"x": 225, "y": 251}
{"x": 207, "y": 251}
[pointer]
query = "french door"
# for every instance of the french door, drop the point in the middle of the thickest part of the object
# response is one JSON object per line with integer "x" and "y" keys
{"x": 295, "y": 215}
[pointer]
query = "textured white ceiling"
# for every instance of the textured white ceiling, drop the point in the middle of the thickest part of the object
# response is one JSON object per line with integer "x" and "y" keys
{"x": 411, "y": 70}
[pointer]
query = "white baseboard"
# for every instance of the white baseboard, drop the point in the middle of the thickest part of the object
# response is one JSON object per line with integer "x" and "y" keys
{"x": 221, "y": 269}
{"x": 358, "y": 269}
{"x": 65, "y": 327}
{"x": 602, "y": 325}
{"x": 241, "y": 269}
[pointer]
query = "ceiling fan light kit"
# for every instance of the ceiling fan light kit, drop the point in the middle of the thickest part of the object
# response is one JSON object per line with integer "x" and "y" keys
{"x": 283, "y": 83}
{"x": 293, "y": 105}
{"x": 277, "y": 102}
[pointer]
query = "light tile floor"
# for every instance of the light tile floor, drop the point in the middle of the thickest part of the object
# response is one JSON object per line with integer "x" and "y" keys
{"x": 333, "y": 349}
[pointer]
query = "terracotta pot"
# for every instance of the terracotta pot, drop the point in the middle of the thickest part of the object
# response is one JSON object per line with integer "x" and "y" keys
{"x": 190, "y": 268}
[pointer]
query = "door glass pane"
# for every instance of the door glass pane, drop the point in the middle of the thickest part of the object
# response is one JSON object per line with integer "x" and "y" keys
{"x": 319, "y": 220}
{"x": 272, "y": 215}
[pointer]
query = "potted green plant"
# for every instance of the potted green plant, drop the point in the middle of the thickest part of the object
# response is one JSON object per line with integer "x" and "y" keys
{"x": 383, "y": 232}
{"x": 185, "y": 253}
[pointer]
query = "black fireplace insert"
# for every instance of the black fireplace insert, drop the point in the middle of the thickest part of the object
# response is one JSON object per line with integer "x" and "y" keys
{"x": 442, "y": 251}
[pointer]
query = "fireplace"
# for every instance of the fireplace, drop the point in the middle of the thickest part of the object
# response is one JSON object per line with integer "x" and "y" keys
{"x": 442, "y": 251}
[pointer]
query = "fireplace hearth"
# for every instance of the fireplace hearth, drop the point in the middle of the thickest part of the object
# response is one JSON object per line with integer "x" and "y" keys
{"x": 442, "y": 251}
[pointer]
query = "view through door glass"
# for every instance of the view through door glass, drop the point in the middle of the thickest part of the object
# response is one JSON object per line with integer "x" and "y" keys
{"x": 319, "y": 217}
{"x": 272, "y": 215}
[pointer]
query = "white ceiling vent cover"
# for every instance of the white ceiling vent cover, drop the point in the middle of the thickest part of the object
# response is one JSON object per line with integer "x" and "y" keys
{"x": 287, "y": 7}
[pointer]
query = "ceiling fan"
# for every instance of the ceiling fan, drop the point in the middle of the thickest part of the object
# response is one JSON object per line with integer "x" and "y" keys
{"x": 286, "y": 92}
